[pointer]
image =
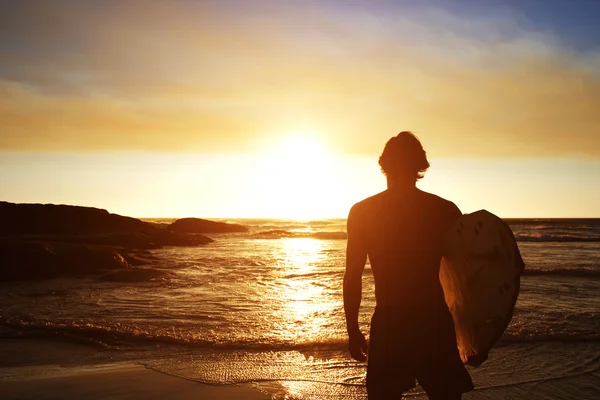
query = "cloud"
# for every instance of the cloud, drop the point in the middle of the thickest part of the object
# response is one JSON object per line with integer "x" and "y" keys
{"x": 206, "y": 76}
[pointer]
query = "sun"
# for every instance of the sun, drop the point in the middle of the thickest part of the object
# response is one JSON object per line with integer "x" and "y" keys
{"x": 298, "y": 173}
{"x": 300, "y": 147}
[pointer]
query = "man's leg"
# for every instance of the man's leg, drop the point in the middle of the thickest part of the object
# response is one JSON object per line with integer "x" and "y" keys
{"x": 444, "y": 396}
{"x": 375, "y": 395}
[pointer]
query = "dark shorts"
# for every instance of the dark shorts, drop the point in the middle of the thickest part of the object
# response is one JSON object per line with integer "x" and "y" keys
{"x": 405, "y": 348}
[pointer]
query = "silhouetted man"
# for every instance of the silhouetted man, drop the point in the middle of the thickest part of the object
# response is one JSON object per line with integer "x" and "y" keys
{"x": 401, "y": 230}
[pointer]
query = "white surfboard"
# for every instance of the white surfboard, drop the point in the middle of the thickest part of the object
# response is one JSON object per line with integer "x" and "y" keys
{"x": 480, "y": 274}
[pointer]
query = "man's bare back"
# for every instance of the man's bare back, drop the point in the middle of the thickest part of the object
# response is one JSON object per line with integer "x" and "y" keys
{"x": 402, "y": 233}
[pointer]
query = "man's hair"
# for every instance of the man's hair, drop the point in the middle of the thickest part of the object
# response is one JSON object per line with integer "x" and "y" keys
{"x": 403, "y": 156}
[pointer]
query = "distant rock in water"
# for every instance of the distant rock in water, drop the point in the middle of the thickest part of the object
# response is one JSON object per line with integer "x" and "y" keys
{"x": 198, "y": 225}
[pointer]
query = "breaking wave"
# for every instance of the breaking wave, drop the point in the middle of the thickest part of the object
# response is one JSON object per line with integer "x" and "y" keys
{"x": 282, "y": 233}
{"x": 340, "y": 235}
{"x": 556, "y": 238}
{"x": 120, "y": 336}
{"x": 573, "y": 272}
{"x": 115, "y": 337}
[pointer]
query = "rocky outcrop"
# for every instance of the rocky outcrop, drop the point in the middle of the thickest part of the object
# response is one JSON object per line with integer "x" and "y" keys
{"x": 74, "y": 224}
{"x": 128, "y": 240}
{"x": 29, "y": 260}
{"x": 39, "y": 260}
{"x": 198, "y": 225}
{"x": 45, "y": 219}
{"x": 42, "y": 241}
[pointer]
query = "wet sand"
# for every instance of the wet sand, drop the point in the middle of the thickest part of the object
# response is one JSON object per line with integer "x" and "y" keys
{"x": 27, "y": 372}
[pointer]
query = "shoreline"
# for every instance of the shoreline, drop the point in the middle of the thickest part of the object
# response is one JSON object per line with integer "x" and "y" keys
{"x": 51, "y": 368}
{"x": 24, "y": 375}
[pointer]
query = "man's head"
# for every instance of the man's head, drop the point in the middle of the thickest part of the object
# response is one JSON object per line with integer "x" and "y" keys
{"x": 403, "y": 158}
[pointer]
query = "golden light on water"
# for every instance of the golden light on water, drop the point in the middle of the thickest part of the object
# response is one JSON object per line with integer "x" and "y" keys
{"x": 301, "y": 254}
{"x": 304, "y": 303}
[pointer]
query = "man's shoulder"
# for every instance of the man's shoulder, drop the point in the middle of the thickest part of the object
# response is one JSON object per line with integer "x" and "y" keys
{"x": 427, "y": 200}
{"x": 434, "y": 198}
{"x": 368, "y": 203}
{"x": 442, "y": 204}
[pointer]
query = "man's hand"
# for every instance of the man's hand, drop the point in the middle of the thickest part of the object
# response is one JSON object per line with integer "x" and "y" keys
{"x": 358, "y": 346}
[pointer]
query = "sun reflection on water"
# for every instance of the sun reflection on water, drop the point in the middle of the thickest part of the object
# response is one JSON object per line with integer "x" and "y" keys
{"x": 304, "y": 308}
{"x": 301, "y": 254}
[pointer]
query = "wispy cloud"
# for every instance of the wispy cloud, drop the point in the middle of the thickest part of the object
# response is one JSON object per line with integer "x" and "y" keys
{"x": 221, "y": 76}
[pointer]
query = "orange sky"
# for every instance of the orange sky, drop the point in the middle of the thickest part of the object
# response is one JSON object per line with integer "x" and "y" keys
{"x": 205, "y": 80}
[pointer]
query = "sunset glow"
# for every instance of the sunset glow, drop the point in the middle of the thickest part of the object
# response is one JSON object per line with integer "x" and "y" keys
{"x": 281, "y": 109}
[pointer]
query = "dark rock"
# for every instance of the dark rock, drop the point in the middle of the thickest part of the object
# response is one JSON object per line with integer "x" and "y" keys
{"x": 167, "y": 238}
{"x": 45, "y": 219}
{"x": 74, "y": 224}
{"x": 50, "y": 241}
{"x": 30, "y": 260}
{"x": 33, "y": 261}
{"x": 128, "y": 240}
{"x": 139, "y": 258}
{"x": 198, "y": 225}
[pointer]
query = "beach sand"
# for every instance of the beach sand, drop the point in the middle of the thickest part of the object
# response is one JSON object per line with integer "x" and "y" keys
{"x": 46, "y": 369}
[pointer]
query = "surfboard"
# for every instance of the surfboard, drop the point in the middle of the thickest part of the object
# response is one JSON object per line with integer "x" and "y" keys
{"x": 481, "y": 276}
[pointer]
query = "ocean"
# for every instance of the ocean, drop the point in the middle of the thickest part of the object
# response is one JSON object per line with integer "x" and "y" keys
{"x": 264, "y": 309}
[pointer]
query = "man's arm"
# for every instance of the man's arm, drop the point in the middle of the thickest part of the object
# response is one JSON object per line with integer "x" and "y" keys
{"x": 356, "y": 258}
{"x": 452, "y": 214}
